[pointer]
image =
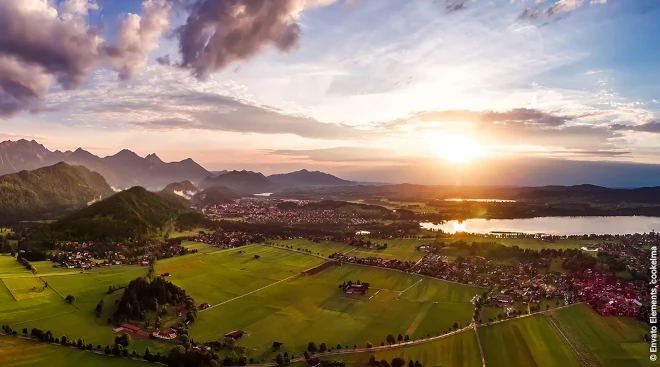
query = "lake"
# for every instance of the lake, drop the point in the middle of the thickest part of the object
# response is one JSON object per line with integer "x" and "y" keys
{"x": 552, "y": 225}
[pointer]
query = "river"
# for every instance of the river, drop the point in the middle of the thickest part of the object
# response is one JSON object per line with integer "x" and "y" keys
{"x": 552, "y": 225}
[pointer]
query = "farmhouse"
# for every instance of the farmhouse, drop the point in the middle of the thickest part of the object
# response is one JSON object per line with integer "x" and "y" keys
{"x": 166, "y": 335}
{"x": 236, "y": 334}
{"x": 502, "y": 298}
{"x": 357, "y": 288}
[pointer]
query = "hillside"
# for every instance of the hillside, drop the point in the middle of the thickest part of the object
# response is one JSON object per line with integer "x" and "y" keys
{"x": 242, "y": 181}
{"x": 132, "y": 213}
{"x": 29, "y": 195}
{"x": 309, "y": 178}
{"x": 215, "y": 195}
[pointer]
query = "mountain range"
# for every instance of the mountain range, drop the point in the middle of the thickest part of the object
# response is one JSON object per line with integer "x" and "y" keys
{"x": 308, "y": 178}
{"x": 127, "y": 169}
{"x": 49, "y": 191}
{"x": 122, "y": 170}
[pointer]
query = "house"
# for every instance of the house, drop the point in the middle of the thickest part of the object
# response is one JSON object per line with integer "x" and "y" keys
{"x": 132, "y": 328}
{"x": 166, "y": 335}
{"x": 358, "y": 288}
{"x": 313, "y": 362}
{"x": 502, "y": 298}
{"x": 277, "y": 345}
{"x": 236, "y": 334}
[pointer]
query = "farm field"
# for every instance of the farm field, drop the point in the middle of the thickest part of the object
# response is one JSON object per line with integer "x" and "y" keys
{"x": 456, "y": 350}
{"x": 529, "y": 341}
{"x": 305, "y": 304}
{"x": 524, "y": 243}
{"x": 17, "y": 352}
{"x": 323, "y": 249}
{"x": 9, "y": 266}
{"x": 615, "y": 341}
{"x": 192, "y": 232}
{"x": 400, "y": 249}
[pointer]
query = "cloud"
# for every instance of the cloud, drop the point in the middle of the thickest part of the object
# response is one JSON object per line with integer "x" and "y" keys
{"x": 219, "y": 33}
{"x": 561, "y": 7}
{"x": 455, "y": 5}
{"x": 341, "y": 154}
{"x": 137, "y": 36}
{"x": 40, "y": 43}
{"x": 527, "y": 116}
{"x": 648, "y": 127}
{"x": 214, "y": 112}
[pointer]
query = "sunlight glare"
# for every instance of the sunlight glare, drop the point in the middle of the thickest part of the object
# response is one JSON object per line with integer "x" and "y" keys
{"x": 456, "y": 148}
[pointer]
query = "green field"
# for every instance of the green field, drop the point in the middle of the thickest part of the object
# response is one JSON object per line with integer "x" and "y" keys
{"x": 404, "y": 249}
{"x": 615, "y": 341}
{"x": 524, "y": 243}
{"x": 455, "y": 350}
{"x": 529, "y": 341}
{"x": 17, "y": 352}
{"x": 189, "y": 233}
{"x": 322, "y": 249}
{"x": 279, "y": 298}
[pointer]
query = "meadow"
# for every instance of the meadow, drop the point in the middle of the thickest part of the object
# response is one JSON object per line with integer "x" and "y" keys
{"x": 529, "y": 341}
{"x": 614, "y": 341}
{"x": 456, "y": 350}
{"x": 17, "y": 352}
{"x": 287, "y": 306}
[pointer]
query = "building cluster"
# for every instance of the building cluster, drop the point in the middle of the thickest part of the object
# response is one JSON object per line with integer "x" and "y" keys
{"x": 524, "y": 282}
{"x": 267, "y": 211}
{"x": 607, "y": 294}
{"x": 227, "y": 240}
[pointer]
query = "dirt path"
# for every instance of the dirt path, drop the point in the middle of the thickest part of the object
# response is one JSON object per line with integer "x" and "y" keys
{"x": 418, "y": 319}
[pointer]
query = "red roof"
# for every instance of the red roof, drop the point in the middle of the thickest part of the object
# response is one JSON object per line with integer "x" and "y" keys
{"x": 131, "y": 327}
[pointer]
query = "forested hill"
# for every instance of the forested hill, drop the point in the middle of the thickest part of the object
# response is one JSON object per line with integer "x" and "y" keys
{"x": 29, "y": 195}
{"x": 133, "y": 213}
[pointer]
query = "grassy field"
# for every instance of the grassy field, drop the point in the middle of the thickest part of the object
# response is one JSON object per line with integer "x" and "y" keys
{"x": 529, "y": 341}
{"x": 322, "y": 249}
{"x": 615, "y": 341}
{"x": 17, "y": 352}
{"x": 524, "y": 243}
{"x": 456, "y": 350}
{"x": 192, "y": 232}
{"x": 279, "y": 299}
{"x": 401, "y": 249}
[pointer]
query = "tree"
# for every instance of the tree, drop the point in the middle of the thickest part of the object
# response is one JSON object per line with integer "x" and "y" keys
{"x": 417, "y": 364}
{"x": 25, "y": 331}
{"x": 311, "y": 347}
{"x": 373, "y": 361}
{"x": 306, "y": 354}
{"x": 455, "y": 325}
{"x": 279, "y": 359}
{"x": 323, "y": 348}
{"x": 70, "y": 298}
{"x": 399, "y": 338}
{"x": 369, "y": 345}
{"x": 123, "y": 339}
{"x": 183, "y": 338}
{"x": 107, "y": 350}
{"x": 390, "y": 339}
{"x": 407, "y": 338}
{"x": 63, "y": 340}
{"x": 398, "y": 362}
{"x": 384, "y": 363}
{"x": 147, "y": 354}
{"x": 338, "y": 346}
{"x": 411, "y": 363}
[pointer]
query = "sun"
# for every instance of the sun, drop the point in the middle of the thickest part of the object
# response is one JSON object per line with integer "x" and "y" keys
{"x": 456, "y": 148}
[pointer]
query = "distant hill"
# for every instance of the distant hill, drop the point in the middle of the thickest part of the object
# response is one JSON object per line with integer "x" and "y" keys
{"x": 181, "y": 192}
{"x": 29, "y": 195}
{"x": 215, "y": 195}
{"x": 242, "y": 181}
{"x": 309, "y": 178}
{"x": 122, "y": 170}
{"x": 132, "y": 213}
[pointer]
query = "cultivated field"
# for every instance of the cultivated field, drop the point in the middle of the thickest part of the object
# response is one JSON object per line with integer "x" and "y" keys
{"x": 322, "y": 249}
{"x": 530, "y": 342}
{"x": 17, "y": 352}
{"x": 456, "y": 350}
{"x": 615, "y": 341}
{"x": 272, "y": 301}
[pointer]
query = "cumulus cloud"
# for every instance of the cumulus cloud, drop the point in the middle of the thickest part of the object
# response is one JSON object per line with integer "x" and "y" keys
{"x": 40, "y": 43}
{"x": 137, "y": 36}
{"x": 219, "y": 33}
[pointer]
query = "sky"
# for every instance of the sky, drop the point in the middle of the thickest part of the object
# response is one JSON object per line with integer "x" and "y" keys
{"x": 425, "y": 91}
